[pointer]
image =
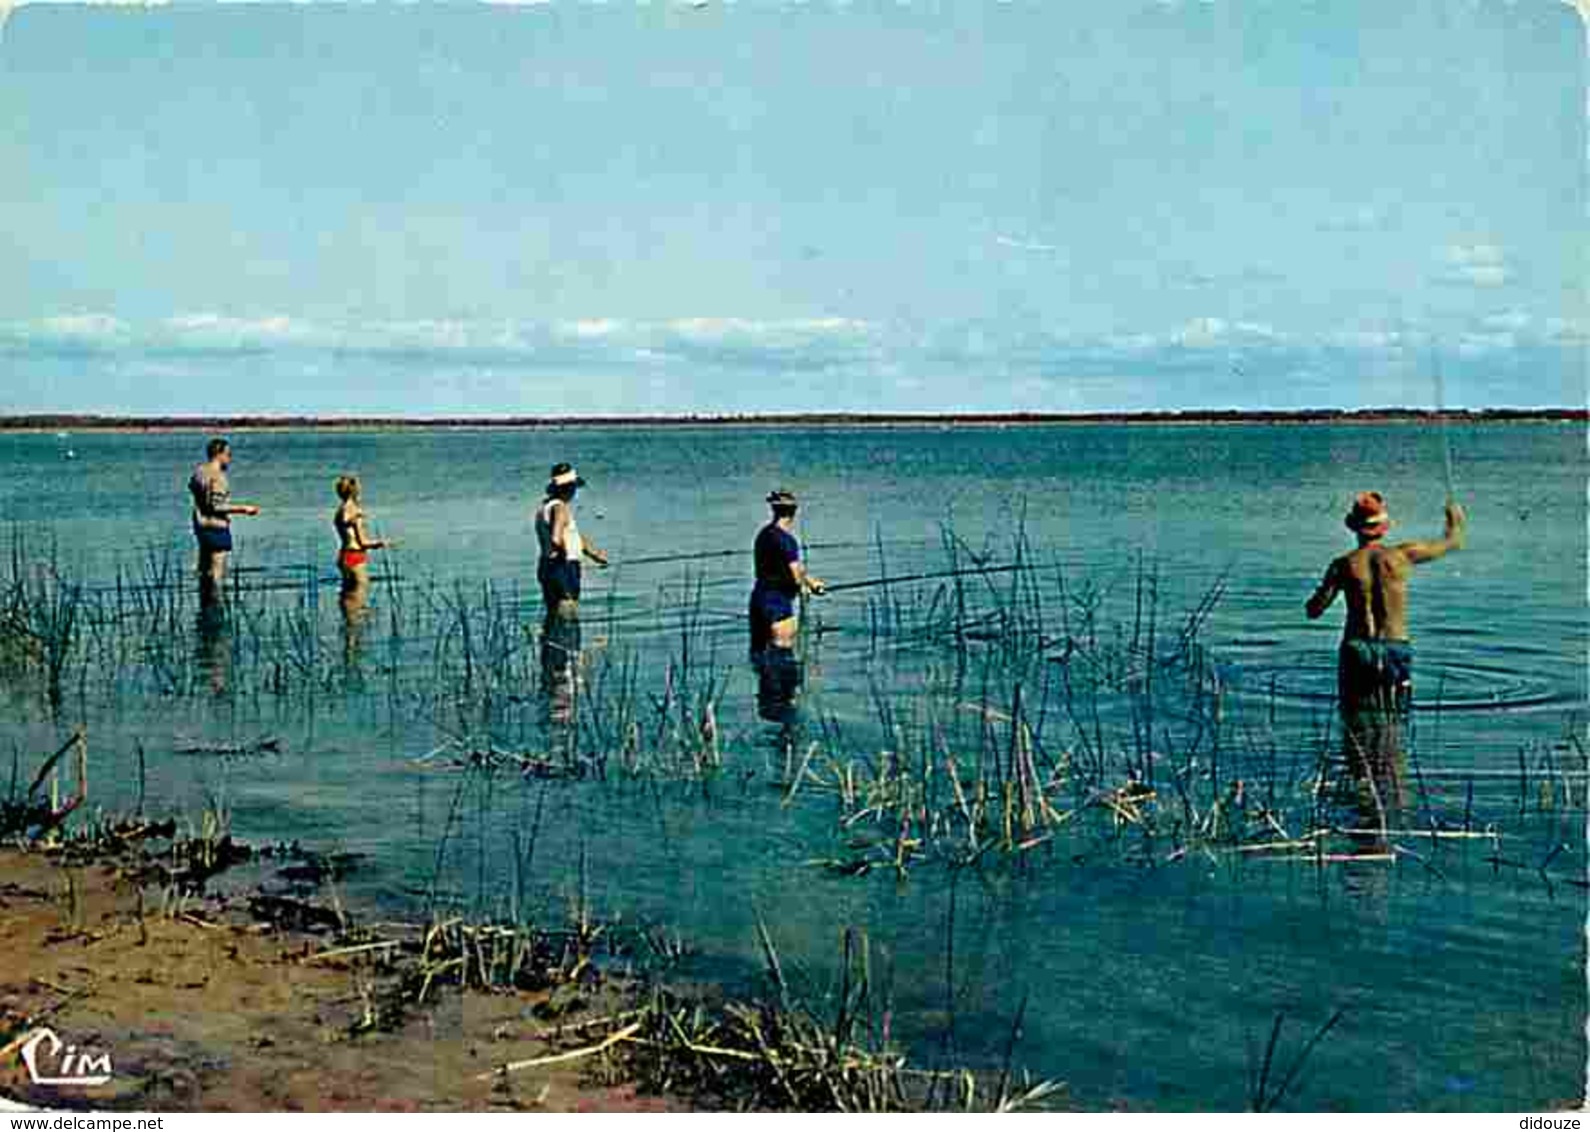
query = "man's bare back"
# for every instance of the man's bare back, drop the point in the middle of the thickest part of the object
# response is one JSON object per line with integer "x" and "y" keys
{"x": 1373, "y": 579}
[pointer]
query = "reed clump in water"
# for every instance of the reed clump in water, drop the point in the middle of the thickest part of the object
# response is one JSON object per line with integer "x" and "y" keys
{"x": 603, "y": 713}
{"x": 1022, "y": 708}
{"x": 41, "y": 624}
{"x": 1018, "y": 706}
{"x": 37, "y": 815}
{"x": 777, "y": 1052}
{"x": 1057, "y": 720}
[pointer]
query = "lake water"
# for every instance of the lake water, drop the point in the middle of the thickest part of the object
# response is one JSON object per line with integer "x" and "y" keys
{"x": 1150, "y": 978}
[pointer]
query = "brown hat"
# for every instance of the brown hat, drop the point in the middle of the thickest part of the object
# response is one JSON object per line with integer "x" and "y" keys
{"x": 1368, "y": 516}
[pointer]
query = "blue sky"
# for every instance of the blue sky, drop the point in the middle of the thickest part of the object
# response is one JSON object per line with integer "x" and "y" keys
{"x": 655, "y": 207}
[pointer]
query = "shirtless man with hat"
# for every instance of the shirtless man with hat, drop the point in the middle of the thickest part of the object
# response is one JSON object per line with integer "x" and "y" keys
{"x": 1375, "y": 669}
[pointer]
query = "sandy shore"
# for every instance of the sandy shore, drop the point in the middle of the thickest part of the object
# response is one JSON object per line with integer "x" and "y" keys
{"x": 206, "y": 1010}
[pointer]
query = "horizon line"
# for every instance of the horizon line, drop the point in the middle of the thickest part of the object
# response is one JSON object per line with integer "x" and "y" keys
{"x": 22, "y": 422}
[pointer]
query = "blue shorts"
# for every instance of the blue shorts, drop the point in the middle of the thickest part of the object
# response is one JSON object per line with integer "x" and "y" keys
{"x": 213, "y": 540}
{"x": 1375, "y": 674}
{"x": 560, "y": 581}
{"x": 768, "y": 607}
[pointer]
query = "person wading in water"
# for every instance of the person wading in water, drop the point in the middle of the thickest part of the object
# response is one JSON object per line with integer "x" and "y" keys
{"x": 353, "y": 546}
{"x": 212, "y": 518}
{"x": 1374, "y": 680}
{"x": 558, "y": 571}
{"x": 781, "y": 578}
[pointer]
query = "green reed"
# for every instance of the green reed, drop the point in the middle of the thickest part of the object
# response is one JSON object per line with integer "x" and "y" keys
{"x": 1017, "y": 701}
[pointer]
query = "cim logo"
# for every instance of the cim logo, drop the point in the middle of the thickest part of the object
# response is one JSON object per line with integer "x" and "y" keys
{"x": 51, "y": 1067}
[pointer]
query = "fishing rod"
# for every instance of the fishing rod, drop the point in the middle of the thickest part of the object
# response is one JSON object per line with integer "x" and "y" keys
{"x": 657, "y": 559}
{"x": 932, "y": 575}
{"x": 1446, "y": 435}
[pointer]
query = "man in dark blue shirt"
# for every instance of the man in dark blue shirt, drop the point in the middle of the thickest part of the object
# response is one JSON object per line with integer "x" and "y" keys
{"x": 780, "y": 578}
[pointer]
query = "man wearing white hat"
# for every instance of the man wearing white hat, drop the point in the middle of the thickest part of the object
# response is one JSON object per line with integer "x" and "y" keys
{"x": 562, "y": 545}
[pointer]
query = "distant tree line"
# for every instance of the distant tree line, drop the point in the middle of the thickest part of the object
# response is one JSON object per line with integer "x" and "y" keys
{"x": 88, "y": 421}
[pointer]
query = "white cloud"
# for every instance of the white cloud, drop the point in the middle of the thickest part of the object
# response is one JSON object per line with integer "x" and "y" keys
{"x": 1366, "y": 338}
{"x": 1485, "y": 275}
{"x": 712, "y": 328}
{"x": 1484, "y": 342}
{"x": 1025, "y": 245}
{"x": 1475, "y": 255}
{"x": 590, "y": 327}
{"x": 1209, "y": 331}
{"x": 84, "y": 325}
{"x": 749, "y": 345}
{"x": 1479, "y": 264}
{"x": 1513, "y": 320}
{"x": 1129, "y": 343}
{"x": 209, "y": 328}
{"x": 72, "y": 331}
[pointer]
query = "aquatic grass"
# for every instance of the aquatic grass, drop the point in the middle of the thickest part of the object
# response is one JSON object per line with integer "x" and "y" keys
{"x": 43, "y": 620}
{"x": 1015, "y": 703}
{"x": 787, "y": 1051}
{"x": 601, "y": 986}
{"x": 1112, "y": 729}
{"x": 602, "y": 715}
{"x": 1038, "y": 718}
{"x": 36, "y": 815}
{"x": 1264, "y": 1094}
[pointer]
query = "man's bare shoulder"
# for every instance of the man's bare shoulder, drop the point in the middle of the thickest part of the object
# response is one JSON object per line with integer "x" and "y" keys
{"x": 1410, "y": 551}
{"x": 1343, "y": 563}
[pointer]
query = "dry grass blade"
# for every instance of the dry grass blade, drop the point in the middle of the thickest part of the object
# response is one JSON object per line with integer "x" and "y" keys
{"x": 569, "y": 1055}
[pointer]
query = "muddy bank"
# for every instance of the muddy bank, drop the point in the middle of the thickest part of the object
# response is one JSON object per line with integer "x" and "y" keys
{"x": 120, "y": 995}
{"x": 210, "y": 1008}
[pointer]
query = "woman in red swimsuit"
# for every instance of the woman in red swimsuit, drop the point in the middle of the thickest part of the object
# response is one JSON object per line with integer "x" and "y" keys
{"x": 354, "y": 545}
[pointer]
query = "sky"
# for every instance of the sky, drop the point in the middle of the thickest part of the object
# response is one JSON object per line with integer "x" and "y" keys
{"x": 759, "y": 206}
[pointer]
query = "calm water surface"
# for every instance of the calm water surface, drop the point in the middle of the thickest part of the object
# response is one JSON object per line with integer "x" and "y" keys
{"x": 1462, "y": 985}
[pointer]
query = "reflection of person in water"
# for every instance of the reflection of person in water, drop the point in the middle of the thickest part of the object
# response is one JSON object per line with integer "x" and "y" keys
{"x": 214, "y": 653}
{"x": 353, "y": 554}
{"x": 1375, "y": 664}
{"x": 781, "y": 578}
